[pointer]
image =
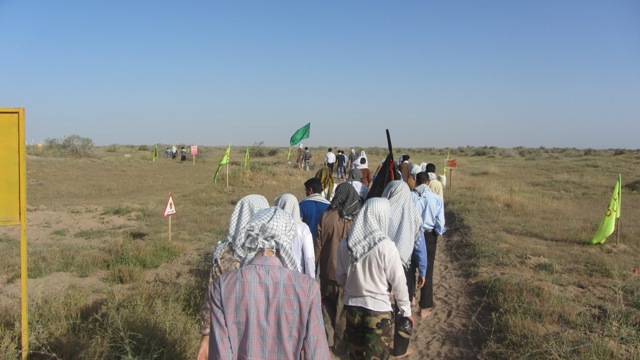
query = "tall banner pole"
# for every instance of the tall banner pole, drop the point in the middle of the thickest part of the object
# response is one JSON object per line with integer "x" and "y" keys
{"x": 227, "y": 173}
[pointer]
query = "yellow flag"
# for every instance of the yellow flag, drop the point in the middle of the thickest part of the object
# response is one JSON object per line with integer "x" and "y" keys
{"x": 608, "y": 223}
{"x": 224, "y": 160}
{"x": 155, "y": 153}
{"x": 225, "y": 157}
{"x": 246, "y": 158}
{"x": 619, "y": 195}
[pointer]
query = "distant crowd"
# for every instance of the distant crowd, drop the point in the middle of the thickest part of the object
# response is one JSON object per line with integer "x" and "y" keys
{"x": 338, "y": 271}
{"x": 172, "y": 153}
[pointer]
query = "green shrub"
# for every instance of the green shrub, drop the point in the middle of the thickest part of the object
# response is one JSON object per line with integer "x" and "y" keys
{"x": 71, "y": 146}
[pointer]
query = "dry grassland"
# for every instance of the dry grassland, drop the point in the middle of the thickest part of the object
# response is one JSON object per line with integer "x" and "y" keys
{"x": 105, "y": 282}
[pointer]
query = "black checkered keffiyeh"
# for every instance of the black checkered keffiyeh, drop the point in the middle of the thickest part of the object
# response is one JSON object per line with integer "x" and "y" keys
{"x": 270, "y": 229}
{"x": 245, "y": 208}
{"x": 369, "y": 228}
{"x": 405, "y": 223}
{"x": 346, "y": 200}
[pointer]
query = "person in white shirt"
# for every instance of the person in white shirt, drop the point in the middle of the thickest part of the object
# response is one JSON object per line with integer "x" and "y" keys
{"x": 302, "y": 244}
{"x": 330, "y": 160}
{"x": 368, "y": 261}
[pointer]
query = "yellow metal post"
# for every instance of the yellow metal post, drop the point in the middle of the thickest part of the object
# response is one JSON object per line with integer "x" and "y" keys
{"x": 13, "y": 191}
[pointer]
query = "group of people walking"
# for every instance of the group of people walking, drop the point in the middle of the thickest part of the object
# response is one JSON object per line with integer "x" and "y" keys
{"x": 264, "y": 300}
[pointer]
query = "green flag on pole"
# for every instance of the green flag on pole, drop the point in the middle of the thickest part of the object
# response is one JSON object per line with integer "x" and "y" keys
{"x": 246, "y": 158}
{"x": 155, "y": 153}
{"x": 224, "y": 160}
{"x": 302, "y": 133}
{"x": 608, "y": 223}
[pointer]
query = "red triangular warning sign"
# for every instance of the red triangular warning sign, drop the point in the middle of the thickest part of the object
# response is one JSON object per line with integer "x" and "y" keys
{"x": 171, "y": 207}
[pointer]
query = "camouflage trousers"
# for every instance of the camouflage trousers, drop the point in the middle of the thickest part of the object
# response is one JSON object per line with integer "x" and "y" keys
{"x": 369, "y": 333}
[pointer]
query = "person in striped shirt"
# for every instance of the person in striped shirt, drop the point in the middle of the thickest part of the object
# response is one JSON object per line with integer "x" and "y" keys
{"x": 267, "y": 309}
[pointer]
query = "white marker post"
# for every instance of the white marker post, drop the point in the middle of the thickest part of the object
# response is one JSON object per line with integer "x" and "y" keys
{"x": 169, "y": 211}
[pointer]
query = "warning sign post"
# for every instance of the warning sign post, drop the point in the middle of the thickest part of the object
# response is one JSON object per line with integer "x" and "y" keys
{"x": 169, "y": 211}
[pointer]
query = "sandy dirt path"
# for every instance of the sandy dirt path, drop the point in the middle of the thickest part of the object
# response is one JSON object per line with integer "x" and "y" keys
{"x": 450, "y": 331}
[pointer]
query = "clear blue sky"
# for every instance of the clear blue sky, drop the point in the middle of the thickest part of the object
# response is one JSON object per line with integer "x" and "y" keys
{"x": 436, "y": 73}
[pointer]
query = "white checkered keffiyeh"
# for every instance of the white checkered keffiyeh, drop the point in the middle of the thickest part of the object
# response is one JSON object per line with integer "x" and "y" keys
{"x": 369, "y": 228}
{"x": 289, "y": 203}
{"x": 270, "y": 229}
{"x": 405, "y": 223}
{"x": 245, "y": 208}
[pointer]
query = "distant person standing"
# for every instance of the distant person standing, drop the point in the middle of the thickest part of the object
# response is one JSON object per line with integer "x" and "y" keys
{"x": 183, "y": 154}
{"x": 330, "y": 160}
{"x": 434, "y": 184}
{"x": 168, "y": 153}
{"x": 306, "y": 156}
{"x": 341, "y": 164}
{"x": 405, "y": 168}
{"x": 353, "y": 160}
{"x": 174, "y": 152}
{"x": 299, "y": 160}
{"x": 367, "y": 179}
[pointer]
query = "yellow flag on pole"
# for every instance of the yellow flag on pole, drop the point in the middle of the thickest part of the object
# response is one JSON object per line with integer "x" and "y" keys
{"x": 224, "y": 160}
{"x": 608, "y": 223}
{"x": 246, "y": 158}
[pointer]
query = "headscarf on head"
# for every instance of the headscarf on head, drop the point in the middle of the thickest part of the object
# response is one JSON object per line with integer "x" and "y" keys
{"x": 245, "y": 208}
{"x": 326, "y": 178}
{"x": 346, "y": 201}
{"x": 353, "y": 151}
{"x": 369, "y": 228}
{"x": 415, "y": 169}
{"x": 405, "y": 223}
{"x": 270, "y": 229}
{"x": 289, "y": 203}
{"x": 423, "y": 167}
{"x": 354, "y": 175}
{"x": 366, "y": 164}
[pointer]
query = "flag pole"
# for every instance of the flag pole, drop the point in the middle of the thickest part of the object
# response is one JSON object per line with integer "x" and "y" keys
{"x": 227, "y": 173}
{"x": 170, "y": 228}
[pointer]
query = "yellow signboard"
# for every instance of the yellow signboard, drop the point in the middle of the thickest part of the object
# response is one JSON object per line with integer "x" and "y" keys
{"x": 12, "y": 170}
{"x": 13, "y": 197}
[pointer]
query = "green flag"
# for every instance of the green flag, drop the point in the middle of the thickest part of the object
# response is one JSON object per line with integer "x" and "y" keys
{"x": 608, "y": 223}
{"x": 224, "y": 160}
{"x": 302, "y": 133}
{"x": 246, "y": 158}
{"x": 155, "y": 153}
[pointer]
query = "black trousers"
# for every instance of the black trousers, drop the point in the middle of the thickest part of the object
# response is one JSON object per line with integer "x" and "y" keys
{"x": 426, "y": 293}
